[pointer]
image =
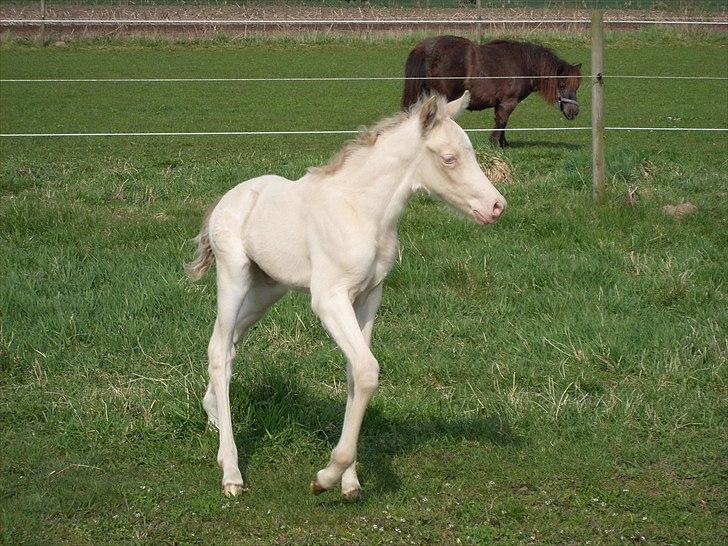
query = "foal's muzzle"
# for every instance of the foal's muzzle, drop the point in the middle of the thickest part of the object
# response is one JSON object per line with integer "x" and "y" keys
{"x": 491, "y": 214}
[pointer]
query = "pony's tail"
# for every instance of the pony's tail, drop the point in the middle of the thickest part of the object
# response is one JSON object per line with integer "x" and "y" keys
{"x": 415, "y": 67}
{"x": 204, "y": 255}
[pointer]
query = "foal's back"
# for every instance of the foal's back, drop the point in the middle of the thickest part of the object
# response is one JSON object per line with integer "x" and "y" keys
{"x": 264, "y": 219}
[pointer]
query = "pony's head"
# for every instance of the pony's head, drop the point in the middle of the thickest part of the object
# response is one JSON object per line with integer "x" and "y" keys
{"x": 567, "y": 83}
{"x": 449, "y": 168}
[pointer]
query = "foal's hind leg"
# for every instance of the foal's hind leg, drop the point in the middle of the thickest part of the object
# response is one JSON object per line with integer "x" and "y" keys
{"x": 233, "y": 281}
{"x": 261, "y": 293}
{"x": 241, "y": 301}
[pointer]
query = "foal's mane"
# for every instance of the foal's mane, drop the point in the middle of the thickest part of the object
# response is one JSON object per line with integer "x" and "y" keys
{"x": 542, "y": 61}
{"x": 368, "y": 136}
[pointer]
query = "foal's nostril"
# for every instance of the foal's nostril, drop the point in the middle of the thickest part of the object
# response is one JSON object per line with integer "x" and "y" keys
{"x": 497, "y": 209}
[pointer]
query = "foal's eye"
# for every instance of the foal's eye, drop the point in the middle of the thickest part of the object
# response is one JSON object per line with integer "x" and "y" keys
{"x": 449, "y": 160}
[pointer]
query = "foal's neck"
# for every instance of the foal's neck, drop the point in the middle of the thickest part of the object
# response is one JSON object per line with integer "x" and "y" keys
{"x": 383, "y": 176}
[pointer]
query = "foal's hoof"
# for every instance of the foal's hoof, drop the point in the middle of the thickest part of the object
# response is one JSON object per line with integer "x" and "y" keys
{"x": 316, "y": 487}
{"x": 233, "y": 489}
{"x": 353, "y": 494}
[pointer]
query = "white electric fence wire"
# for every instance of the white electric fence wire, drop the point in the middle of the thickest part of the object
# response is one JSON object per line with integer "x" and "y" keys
{"x": 273, "y": 79}
{"x": 339, "y": 132}
{"x": 258, "y": 22}
{"x": 336, "y": 78}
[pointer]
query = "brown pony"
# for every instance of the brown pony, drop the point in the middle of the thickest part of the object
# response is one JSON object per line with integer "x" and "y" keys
{"x": 450, "y": 65}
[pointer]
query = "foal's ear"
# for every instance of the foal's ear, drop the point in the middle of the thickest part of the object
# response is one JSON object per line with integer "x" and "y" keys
{"x": 457, "y": 106}
{"x": 428, "y": 114}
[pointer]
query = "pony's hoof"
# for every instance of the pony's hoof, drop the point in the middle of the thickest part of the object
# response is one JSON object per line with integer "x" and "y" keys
{"x": 233, "y": 489}
{"x": 353, "y": 494}
{"x": 316, "y": 487}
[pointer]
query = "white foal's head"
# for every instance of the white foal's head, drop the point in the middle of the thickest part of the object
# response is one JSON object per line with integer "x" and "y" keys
{"x": 449, "y": 168}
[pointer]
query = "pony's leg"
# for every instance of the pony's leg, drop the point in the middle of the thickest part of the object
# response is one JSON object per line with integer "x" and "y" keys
{"x": 503, "y": 111}
{"x": 365, "y": 308}
{"x": 337, "y": 314}
{"x": 233, "y": 282}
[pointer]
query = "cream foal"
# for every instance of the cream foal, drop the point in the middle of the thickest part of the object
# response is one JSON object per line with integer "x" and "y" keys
{"x": 332, "y": 233}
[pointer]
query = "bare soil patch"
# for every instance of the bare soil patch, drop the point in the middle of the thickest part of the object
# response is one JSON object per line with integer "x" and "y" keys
{"x": 173, "y": 20}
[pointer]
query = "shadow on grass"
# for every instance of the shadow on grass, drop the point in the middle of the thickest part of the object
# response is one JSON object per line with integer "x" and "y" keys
{"x": 544, "y": 144}
{"x": 273, "y": 403}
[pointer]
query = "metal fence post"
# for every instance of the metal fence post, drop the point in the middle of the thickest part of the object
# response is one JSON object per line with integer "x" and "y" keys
{"x": 597, "y": 69}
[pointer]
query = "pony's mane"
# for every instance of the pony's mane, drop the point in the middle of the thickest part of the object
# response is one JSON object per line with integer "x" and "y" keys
{"x": 368, "y": 136}
{"x": 542, "y": 61}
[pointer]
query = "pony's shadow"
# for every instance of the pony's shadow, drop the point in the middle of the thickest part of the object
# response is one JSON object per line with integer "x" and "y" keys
{"x": 274, "y": 402}
{"x": 543, "y": 144}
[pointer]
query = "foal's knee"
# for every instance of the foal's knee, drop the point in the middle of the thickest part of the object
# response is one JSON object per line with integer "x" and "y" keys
{"x": 366, "y": 376}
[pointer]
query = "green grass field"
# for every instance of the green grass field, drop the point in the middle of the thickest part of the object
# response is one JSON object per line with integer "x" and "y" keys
{"x": 557, "y": 378}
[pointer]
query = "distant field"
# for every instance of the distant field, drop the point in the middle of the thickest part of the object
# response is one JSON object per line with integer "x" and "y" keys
{"x": 557, "y": 378}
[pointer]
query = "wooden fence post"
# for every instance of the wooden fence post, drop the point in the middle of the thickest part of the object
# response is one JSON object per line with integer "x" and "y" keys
{"x": 597, "y": 69}
{"x": 478, "y": 28}
{"x": 42, "y": 22}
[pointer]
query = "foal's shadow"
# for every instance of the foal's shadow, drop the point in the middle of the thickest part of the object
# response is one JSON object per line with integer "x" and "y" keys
{"x": 275, "y": 402}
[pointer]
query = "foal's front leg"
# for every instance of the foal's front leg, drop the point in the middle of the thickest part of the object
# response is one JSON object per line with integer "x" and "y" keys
{"x": 337, "y": 314}
{"x": 365, "y": 308}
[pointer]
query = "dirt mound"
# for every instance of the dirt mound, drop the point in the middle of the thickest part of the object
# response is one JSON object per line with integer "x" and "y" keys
{"x": 679, "y": 210}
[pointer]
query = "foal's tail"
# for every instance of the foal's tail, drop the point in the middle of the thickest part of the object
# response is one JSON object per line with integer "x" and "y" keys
{"x": 204, "y": 255}
{"x": 415, "y": 67}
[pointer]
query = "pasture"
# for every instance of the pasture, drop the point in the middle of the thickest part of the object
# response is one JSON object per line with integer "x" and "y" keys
{"x": 559, "y": 377}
